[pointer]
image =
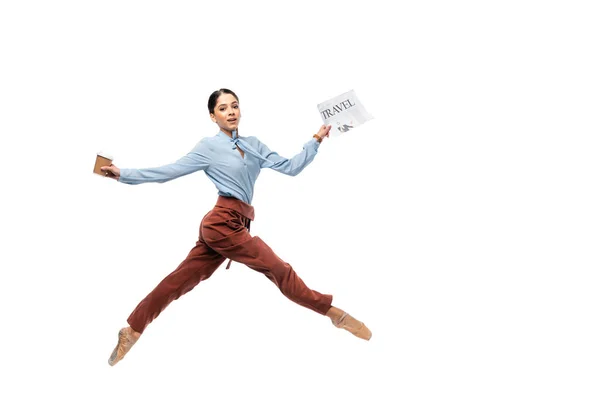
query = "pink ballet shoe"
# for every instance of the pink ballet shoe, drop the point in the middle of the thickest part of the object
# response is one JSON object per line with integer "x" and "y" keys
{"x": 349, "y": 323}
{"x": 127, "y": 338}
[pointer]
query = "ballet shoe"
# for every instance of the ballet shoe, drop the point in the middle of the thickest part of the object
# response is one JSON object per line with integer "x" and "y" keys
{"x": 343, "y": 320}
{"x": 127, "y": 338}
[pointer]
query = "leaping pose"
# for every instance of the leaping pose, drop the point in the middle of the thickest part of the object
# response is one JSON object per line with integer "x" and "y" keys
{"x": 233, "y": 164}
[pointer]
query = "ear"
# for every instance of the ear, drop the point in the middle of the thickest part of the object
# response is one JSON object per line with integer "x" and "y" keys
{"x": 212, "y": 117}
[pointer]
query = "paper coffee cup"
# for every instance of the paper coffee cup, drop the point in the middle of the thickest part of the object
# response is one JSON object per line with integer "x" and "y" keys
{"x": 102, "y": 160}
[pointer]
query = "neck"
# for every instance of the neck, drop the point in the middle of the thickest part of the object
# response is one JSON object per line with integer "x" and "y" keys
{"x": 228, "y": 133}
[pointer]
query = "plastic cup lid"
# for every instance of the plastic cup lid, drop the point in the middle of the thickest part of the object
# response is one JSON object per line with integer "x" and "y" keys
{"x": 105, "y": 155}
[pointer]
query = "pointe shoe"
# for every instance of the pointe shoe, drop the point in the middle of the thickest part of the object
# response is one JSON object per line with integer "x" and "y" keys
{"x": 352, "y": 325}
{"x": 127, "y": 338}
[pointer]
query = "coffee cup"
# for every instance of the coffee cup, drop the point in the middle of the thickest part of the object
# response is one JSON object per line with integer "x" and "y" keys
{"x": 102, "y": 160}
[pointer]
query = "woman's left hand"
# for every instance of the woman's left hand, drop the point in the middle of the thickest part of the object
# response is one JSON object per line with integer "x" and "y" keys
{"x": 324, "y": 131}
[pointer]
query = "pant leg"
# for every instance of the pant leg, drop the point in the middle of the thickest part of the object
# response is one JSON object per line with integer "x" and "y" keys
{"x": 225, "y": 232}
{"x": 199, "y": 265}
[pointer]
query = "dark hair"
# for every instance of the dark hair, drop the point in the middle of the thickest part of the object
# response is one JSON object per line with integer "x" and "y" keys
{"x": 212, "y": 100}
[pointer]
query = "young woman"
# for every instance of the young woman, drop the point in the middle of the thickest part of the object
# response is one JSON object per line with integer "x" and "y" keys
{"x": 233, "y": 164}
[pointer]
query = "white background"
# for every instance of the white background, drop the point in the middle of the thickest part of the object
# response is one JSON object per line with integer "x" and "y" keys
{"x": 461, "y": 224}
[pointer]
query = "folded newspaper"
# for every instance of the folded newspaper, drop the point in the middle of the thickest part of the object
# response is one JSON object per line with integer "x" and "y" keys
{"x": 343, "y": 113}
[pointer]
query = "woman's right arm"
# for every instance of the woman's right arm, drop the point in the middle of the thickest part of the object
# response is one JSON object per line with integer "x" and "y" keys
{"x": 195, "y": 160}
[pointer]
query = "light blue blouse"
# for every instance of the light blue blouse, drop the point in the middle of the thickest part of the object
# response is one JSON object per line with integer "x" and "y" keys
{"x": 218, "y": 157}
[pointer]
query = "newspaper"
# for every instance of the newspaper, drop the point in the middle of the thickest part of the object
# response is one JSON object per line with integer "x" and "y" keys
{"x": 343, "y": 113}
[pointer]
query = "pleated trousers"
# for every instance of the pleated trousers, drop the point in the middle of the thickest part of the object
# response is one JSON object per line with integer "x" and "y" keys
{"x": 224, "y": 233}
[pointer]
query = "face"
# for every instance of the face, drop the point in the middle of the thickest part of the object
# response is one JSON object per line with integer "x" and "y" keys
{"x": 227, "y": 113}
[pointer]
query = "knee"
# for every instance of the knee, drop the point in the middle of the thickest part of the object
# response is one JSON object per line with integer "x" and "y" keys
{"x": 283, "y": 272}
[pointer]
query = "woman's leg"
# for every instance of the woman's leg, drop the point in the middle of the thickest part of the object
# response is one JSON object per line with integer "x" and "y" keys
{"x": 225, "y": 231}
{"x": 229, "y": 237}
{"x": 257, "y": 255}
{"x": 199, "y": 265}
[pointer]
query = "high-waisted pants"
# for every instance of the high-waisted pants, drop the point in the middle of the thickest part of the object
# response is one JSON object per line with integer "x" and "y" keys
{"x": 224, "y": 233}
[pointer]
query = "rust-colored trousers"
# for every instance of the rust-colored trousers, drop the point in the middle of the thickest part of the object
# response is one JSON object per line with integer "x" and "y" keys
{"x": 224, "y": 233}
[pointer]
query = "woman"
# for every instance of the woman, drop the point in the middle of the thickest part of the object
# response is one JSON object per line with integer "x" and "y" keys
{"x": 233, "y": 164}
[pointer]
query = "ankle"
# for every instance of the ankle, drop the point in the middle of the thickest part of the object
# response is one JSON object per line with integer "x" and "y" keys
{"x": 334, "y": 313}
{"x": 133, "y": 332}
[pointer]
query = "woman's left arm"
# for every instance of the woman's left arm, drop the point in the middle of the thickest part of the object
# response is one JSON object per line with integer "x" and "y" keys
{"x": 296, "y": 164}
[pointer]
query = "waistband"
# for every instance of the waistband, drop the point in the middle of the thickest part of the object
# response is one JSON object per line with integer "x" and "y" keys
{"x": 237, "y": 205}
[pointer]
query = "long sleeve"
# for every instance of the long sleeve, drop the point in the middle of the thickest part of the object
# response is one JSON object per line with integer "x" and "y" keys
{"x": 195, "y": 160}
{"x": 292, "y": 166}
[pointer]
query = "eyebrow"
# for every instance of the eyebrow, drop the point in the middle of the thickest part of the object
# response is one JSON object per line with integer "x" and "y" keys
{"x": 224, "y": 104}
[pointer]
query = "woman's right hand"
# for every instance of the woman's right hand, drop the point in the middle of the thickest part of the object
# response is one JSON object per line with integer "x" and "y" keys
{"x": 111, "y": 172}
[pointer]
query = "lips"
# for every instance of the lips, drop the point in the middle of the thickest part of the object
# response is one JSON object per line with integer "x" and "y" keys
{"x": 232, "y": 120}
